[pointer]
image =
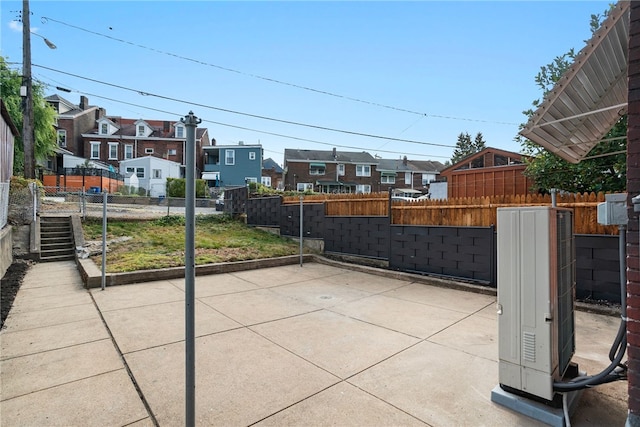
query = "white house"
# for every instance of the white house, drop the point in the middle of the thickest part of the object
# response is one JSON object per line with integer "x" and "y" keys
{"x": 152, "y": 173}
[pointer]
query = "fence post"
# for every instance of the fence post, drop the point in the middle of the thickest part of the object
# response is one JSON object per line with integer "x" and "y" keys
{"x": 301, "y": 227}
{"x": 104, "y": 239}
{"x": 34, "y": 199}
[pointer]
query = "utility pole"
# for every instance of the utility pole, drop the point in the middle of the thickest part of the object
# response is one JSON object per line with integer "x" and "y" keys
{"x": 27, "y": 96}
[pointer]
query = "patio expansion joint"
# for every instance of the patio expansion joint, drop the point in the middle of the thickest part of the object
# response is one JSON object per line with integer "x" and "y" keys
{"x": 62, "y": 384}
{"x": 3, "y": 359}
{"x": 126, "y": 365}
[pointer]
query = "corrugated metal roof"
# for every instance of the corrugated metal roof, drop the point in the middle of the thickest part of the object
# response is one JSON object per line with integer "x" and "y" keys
{"x": 590, "y": 97}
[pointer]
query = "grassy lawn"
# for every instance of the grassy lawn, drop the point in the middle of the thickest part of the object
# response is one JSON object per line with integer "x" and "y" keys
{"x": 160, "y": 243}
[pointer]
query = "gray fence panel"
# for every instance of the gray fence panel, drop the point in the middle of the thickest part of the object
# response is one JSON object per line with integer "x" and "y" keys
{"x": 313, "y": 220}
{"x": 597, "y": 267}
{"x": 264, "y": 211}
{"x": 362, "y": 236}
{"x": 461, "y": 252}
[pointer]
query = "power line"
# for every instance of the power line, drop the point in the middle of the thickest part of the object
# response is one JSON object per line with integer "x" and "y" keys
{"x": 251, "y": 129}
{"x": 143, "y": 93}
{"x": 272, "y": 80}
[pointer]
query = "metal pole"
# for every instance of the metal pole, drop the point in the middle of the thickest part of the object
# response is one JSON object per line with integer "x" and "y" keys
{"x": 168, "y": 204}
{"x": 191, "y": 122}
{"x": 104, "y": 240}
{"x": 553, "y": 197}
{"x": 301, "y": 228}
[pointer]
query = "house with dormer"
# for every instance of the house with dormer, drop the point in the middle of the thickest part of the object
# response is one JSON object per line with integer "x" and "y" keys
{"x": 114, "y": 139}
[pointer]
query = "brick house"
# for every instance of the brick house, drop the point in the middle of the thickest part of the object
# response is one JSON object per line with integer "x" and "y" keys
{"x": 405, "y": 173}
{"x": 329, "y": 171}
{"x": 272, "y": 174}
{"x": 113, "y": 139}
{"x": 71, "y": 122}
{"x": 489, "y": 172}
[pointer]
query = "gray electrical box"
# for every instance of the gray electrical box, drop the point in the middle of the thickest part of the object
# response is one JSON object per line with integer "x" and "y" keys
{"x": 613, "y": 211}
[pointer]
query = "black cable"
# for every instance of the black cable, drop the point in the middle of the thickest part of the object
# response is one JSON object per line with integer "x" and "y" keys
{"x": 241, "y": 113}
{"x": 322, "y": 92}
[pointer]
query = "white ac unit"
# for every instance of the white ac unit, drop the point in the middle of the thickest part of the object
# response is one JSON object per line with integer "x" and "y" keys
{"x": 536, "y": 294}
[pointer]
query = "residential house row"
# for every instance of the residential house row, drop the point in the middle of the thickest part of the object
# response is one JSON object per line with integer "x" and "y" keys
{"x": 355, "y": 172}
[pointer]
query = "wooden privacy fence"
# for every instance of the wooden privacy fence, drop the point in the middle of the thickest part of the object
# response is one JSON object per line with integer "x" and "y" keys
{"x": 468, "y": 211}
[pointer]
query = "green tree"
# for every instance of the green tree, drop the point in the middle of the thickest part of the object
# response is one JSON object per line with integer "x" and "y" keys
{"x": 601, "y": 171}
{"x": 466, "y": 147}
{"x": 43, "y": 116}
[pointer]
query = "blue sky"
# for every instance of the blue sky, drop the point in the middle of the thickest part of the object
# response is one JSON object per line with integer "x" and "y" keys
{"x": 455, "y": 66}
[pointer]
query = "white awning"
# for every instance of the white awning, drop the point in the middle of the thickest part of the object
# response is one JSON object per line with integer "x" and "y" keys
{"x": 590, "y": 97}
{"x": 210, "y": 176}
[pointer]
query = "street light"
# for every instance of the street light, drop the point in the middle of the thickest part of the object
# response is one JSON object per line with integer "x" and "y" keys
{"x": 26, "y": 91}
{"x": 46, "y": 40}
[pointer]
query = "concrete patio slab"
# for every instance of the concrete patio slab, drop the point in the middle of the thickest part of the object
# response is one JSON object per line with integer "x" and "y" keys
{"x": 43, "y": 370}
{"x": 321, "y": 292}
{"x": 339, "y": 344}
{"x": 216, "y": 284}
{"x": 31, "y": 341}
{"x": 399, "y": 315}
{"x": 441, "y": 386}
{"x": 259, "y": 306}
{"x": 106, "y": 399}
{"x": 341, "y": 405}
{"x": 27, "y": 319}
{"x": 30, "y": 302}
{"x": 241, "y": 378}
{"x": 367, "y": 282}
{"x": 475, "y": 335}
{"x": 137, "y": 295}
{"x": 137, "y": 328}
{"x": 465, "y": 302}
{"x": 277, "y": 276}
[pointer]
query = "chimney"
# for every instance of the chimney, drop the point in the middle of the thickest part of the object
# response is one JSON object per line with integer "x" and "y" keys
{"x": 167, "y": 126}
{"x": 84, "y": 102}
{"x": 404, "y": 160}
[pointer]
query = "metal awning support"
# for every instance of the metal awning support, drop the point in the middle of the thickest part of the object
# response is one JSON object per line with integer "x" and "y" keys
{"x": 590, "y": 97}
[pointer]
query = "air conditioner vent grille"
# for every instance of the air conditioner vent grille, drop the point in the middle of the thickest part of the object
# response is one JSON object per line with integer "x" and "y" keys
{"x": 529, "y": 347}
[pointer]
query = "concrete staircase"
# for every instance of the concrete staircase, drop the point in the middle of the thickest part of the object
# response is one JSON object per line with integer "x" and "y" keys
{"x": 56, "y": 239}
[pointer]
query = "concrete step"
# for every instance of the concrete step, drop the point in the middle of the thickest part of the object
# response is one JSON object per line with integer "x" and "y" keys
{"x": 56, "y": 245}
{"x": 57, "y": 258}
{"x": 56, "y": 235}
{"x": 56, "y": 252}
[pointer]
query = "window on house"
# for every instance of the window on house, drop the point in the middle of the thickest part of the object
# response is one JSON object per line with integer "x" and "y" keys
{"x": 363, "y": 170}
{"x": 179, "y": 132}
{"x": 366, "y": 188}
{"x": 304, "y": 186}
{"x": 266, "y": 180}
{"x": 104, "y": 129}
{"x": 171, "y": 152}
{"x": 341, "y": 169}
{"x": 316, "y": 169}
{"x": 252, "y": 155}
{"x": 95, "y": 149}
{"x": 141, "y": 130}
{"x": 62, "y": 138}
{"x": 387, "y": 178}
{"x": 407, "y": 178}
{"x": 128, "y": 151}
{"x": 148, "y": 151}
{"x": 130, "y": 169}
{"x": 140, "y": 172}
{"x": 113, "y": 151}
{"x": 230, "y": 157}
{"x": 157, "y": 173}
{"x": 249, "y": 179}
{"x": 427, "y": 178}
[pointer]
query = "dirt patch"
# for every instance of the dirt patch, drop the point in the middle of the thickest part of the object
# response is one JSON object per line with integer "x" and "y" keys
{"x": 10, "y": 284}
